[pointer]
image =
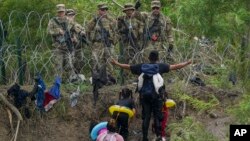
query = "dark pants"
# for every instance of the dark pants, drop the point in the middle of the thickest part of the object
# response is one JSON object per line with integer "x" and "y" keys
{"x": 151, "y": 104}
{"x": 121, "y": 124}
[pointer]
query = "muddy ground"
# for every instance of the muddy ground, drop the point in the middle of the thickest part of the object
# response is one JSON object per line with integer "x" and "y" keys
{"x": 72, "y": 124}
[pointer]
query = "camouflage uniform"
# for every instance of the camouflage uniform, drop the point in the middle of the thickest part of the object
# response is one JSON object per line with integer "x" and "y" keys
{"x": 62, "y": 56}
{"x": 100, "y": 52}
{"x": 157, "y": 31}
{"x": 102, "y": 49}
{"x": 77, "y": 32}
{"x": 130, "y": 29}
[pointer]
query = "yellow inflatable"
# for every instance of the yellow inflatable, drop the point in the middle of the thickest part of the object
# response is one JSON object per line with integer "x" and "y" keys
{"x": 170, "y": 103}
{"x": 117, "y": 108}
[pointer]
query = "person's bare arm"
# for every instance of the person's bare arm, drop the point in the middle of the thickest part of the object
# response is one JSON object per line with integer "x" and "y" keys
{"x": 180, "y": 65}
{"x": 124, "y": 66}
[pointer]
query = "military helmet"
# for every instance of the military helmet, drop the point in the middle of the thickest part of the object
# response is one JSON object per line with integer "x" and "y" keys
{"x": 60, "y": 7}
{"x": 102, "y": 6}
{"x": 70, "y": 12}
{"x": 128, "y": 6}
{"x": 155, "y": 3}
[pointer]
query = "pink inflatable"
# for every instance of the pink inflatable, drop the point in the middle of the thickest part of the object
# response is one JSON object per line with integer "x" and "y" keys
{"x": 102, "y": 131}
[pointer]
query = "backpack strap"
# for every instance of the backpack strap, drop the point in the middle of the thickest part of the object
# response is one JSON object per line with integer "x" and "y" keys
{"x": 140, "y": 81}
{"x": 158, "y": 82}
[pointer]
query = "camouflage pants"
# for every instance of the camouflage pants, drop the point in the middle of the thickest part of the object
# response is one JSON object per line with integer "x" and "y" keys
{"x": 129, "y": 55}
{"x": 63, "y": 61}
{"x": 79, "y": 59}
{"x": 101, "y": 56}
{"x": 101, "y": 67}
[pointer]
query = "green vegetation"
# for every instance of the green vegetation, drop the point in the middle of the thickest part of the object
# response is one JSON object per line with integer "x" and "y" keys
{"x": 226, "y": 22}
{"x": 241, "y": 110}
{"x": 200, "y": 105}
{"x": 189, "y": 130}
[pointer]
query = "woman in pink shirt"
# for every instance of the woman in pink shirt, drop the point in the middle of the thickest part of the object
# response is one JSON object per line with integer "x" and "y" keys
{"x": 111, "y": 135}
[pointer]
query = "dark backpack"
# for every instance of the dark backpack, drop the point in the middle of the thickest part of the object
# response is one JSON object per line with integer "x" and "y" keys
{"x": 148, "y": 86}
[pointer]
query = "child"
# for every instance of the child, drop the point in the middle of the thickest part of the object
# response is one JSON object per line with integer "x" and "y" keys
{"x": 111, "y": 135}
{"x": 164, "y": 121}
{"x": 122, "y": 119}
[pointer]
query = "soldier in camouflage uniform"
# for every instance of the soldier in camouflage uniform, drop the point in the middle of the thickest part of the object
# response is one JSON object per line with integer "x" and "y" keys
{"x": 101, "y": 33}
{"x": 157, "y": 30}
{"x": 78, "y": 36}
{"x": 57, "y": 28}
{"x": 130, "y": 29}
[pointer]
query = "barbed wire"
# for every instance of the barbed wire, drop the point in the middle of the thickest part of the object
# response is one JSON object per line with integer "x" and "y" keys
{"x": 37, "y": 50}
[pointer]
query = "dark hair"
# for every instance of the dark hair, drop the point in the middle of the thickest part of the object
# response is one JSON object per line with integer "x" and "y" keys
{"x": 111, "y": 126}
{"x": 153, "y": 56}
{"x": 126, "y": 93}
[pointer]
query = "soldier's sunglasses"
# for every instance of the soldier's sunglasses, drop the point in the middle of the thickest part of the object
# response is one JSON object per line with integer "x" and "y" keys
{"x": 155, "y": 8}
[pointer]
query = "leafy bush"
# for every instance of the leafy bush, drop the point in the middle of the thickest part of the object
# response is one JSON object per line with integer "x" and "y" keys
{"x": 189, "y": 130}
{"x": 241, "y": 110}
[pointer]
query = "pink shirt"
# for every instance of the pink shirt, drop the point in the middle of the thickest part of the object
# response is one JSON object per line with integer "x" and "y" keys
{"x": 109, "y": 136}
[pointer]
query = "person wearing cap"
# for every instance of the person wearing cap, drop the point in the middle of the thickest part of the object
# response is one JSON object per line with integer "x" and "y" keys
{"x": 129, "y": 30}
{"x": 57, "y": 28}
{"x": 78, "y": 33}
{"x": 151, "y": 103}
{"x": 157, "y": 31}
{"x": 101, "y": 34}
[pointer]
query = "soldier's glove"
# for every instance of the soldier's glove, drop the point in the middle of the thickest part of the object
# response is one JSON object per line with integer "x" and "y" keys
{"x": 170, "y": 48}
{"x": 137, "y": 4}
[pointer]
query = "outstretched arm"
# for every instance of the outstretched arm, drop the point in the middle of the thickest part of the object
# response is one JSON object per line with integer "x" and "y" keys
{"x": 180, "y": 65}
{"x": 124, "y": 66}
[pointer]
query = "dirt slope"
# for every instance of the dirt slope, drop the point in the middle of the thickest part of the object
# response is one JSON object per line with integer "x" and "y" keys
{"x": 72, "y": 124}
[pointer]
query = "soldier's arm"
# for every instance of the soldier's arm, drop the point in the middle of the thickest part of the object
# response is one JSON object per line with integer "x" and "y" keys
{"x": 113, "y": 27}
{"x": 90, "y": 28}
{"x": 53, "y": 28}
{"x": 141, "y": 16}
{"x": 140, "y": 28}
{"x": 79, "y": 29}
{"x": 120, "y": 28}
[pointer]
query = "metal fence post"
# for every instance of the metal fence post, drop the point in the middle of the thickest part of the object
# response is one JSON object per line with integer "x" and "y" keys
{"x": 19, "y": 60}
{"x": 2, "y": 64}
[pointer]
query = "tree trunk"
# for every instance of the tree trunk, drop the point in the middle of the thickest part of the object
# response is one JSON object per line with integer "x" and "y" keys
{"x": 12, "y": 107}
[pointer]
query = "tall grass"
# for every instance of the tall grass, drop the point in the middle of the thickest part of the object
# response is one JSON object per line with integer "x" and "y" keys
{"x": 189, "y": 130}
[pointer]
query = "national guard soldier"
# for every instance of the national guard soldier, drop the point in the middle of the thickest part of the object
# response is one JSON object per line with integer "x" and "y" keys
{"x": 157, "y": 30}
{"x": 59, "y": 30}
{"x": 101, "y": 33}
{"x": 78, "y": 36}
{"x": 130, "y": 29}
